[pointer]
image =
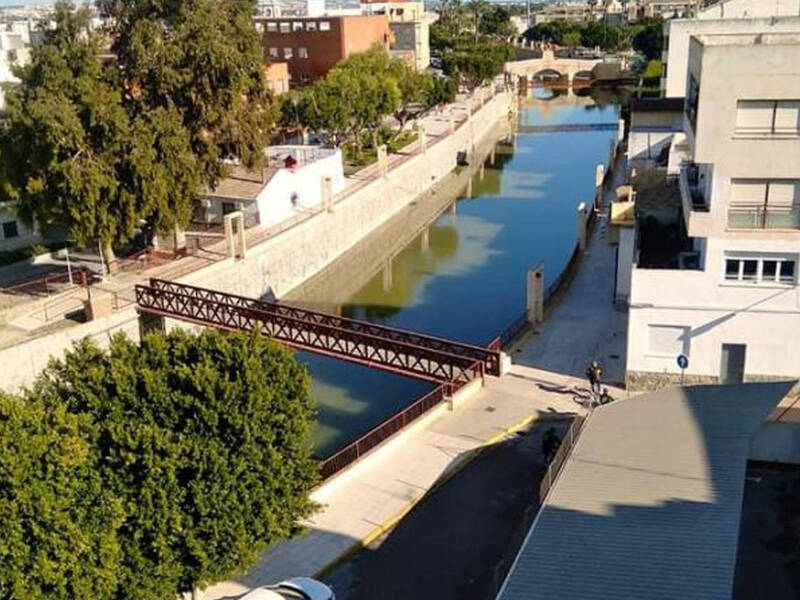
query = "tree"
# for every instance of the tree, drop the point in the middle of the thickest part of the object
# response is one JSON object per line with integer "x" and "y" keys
{"x": 205, "y": 442}
{"x": 58, "y": 522}
{"x": 475, "y": 64}
{"x": 477, "y": 9}
{"x": 415, "y": 89}
{"x": 70, "y": 152}
{"x": 497, "y": 22}
{"x": 650, "y": 39}
{"x": 204, "y": 59}
{"x": 443, "y": 91}
{"x": 572, "y": 39}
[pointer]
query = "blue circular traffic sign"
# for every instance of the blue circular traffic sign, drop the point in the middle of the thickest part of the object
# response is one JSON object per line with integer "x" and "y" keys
{"x": 683, "y": 361}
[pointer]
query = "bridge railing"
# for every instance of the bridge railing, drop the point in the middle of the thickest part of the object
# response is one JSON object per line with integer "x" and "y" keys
{"x": 393, "y": 425}
{"x": 461, "y": 350}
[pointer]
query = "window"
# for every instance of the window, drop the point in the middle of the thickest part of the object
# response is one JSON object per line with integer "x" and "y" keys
{"x": 273, "y": 52}
{"x": 324, "y": 25}
{"x": 761, "y": 269}
{"x": 304, "y": 78}
{"x": 311, "y": 25}
{"x": 297, "y": 26}
{"x": 302, "y": 52}
{"x": 10, "y": 229}
{"x": 768, "y": 117}
{"x": 668, "y": 340}
{"x": 764, "y": 204}
{"x": 285, "y": 27}
{"x": 287, "y": 53}
{"x": 272, "y": 26}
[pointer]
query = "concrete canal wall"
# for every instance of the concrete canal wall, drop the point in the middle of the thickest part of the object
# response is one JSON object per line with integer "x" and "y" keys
{"x": 286, "y": 260}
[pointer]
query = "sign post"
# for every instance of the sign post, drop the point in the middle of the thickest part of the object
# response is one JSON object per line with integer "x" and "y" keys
{"x": 683, "y": 363}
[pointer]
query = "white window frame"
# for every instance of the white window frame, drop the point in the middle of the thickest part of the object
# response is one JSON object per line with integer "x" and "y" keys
{"x": 285, "y": 27}
{"x": 324, "y": 25}
{"x": 302, "y": 52}
{"x": 297, "y": 26}
{"x": 272, "y": 27}
{"x": 760, "y": 259}
{"x": 288, "y": 53}
{"x": 273, "y": 52}
{"x": 311, "y": 25}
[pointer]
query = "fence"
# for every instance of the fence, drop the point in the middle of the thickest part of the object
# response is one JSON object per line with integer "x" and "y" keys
{"x": 554, "y": 468}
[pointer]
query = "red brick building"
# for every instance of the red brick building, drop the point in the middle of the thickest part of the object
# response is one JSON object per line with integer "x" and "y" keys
{"x": 312, "y": 45}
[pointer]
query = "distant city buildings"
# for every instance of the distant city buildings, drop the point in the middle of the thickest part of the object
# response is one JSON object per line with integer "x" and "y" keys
{"x": 311, "y": 46}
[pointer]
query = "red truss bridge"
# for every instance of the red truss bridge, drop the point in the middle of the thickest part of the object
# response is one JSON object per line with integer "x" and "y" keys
{"x": 418, "y": 355}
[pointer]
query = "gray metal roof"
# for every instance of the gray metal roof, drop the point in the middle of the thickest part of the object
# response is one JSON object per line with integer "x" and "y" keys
{"x": 648, "y": 505}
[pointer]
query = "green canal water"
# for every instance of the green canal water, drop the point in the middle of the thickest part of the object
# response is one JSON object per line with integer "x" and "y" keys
{"x": 469, "y": 283}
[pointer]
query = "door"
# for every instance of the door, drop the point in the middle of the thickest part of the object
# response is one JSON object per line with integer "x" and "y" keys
{"x": 732, "y": 369}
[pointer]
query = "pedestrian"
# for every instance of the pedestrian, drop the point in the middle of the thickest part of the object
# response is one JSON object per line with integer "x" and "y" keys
{"x": 594, "y": 374}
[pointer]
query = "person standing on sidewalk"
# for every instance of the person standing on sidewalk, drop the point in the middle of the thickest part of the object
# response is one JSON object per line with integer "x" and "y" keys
{"x": 594, "y": 374}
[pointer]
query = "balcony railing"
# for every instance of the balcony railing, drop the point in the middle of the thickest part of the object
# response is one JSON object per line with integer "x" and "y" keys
{"x": 761, "y": 217}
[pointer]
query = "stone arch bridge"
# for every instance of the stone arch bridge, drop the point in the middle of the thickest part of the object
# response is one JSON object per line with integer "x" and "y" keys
{"x": 549, "y": 67}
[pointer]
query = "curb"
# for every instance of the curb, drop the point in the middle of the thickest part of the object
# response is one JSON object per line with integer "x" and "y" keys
{"x": 450, "y": 471}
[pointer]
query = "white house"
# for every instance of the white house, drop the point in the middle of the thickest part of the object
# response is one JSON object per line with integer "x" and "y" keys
{"x": 720, "y": 283}
{"x": 729, "y": 16}
{"x": 292, "y": 182}
{"x": 13, "y": 232}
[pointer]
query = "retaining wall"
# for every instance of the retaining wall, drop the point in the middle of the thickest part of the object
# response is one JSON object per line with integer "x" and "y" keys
{"x": 283, "y": 262}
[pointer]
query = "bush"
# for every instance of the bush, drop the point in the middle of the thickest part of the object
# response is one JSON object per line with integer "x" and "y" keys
{"x": 203, "y": 442}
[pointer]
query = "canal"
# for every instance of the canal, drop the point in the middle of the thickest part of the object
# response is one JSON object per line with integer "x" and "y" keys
{"x": 467, "y": 279}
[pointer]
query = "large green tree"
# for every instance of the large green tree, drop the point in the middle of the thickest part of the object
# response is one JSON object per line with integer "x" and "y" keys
{"x": 475, "y": 64}
{"x": 70, "y": 152}
{"x": 58, "y": 522}
{"x": 205, "y": 442}
{"x": 649, "y": 40}
{"x": 204, "y": 59}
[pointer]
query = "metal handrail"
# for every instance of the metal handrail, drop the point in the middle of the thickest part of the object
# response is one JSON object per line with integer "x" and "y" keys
{"x": 758, "y": 216}
{"x": 568, "y": 442}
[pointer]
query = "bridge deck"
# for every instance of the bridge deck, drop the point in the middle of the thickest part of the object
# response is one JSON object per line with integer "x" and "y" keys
{"x": 399, "y": 351}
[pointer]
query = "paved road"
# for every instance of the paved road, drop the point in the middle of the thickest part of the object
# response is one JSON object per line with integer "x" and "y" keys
{"x": 459, "y": 541}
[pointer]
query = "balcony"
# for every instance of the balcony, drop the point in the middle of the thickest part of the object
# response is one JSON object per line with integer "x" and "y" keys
{"x": 693, "y": 186}
{"x": 764, "y": 217}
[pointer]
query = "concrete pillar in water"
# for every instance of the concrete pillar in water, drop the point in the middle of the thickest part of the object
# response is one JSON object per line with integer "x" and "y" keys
{"x": 453, "y": 205}
{"x": 425, "y": 240}
{"x": 599, "y": 175}
{"x": 621, "y": 130}
{"x": 583, "y": 217}
{"x": 469, "y": 193}
{"x": 387, "y": 276}
{"x": 327, "y": 193}
{"x": 482, "y": 172}
{"x": 149, "y": 323}
{"x": 492, "y": 156}
{"x": 535, "y": 289}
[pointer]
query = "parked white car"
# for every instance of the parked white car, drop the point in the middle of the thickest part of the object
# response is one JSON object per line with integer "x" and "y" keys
{"x": 296, "y": 588}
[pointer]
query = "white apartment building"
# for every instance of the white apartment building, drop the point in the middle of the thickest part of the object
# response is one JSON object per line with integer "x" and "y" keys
{"x": 728, "y": 16}
{"x": 727, "y": 296}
